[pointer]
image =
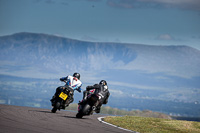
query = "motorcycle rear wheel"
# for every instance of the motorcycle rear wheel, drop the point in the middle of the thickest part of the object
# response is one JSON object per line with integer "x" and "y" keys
{"x": 86, "y": 109}
{"x": 55, "y": 108}
{"x": 79, "y": 115}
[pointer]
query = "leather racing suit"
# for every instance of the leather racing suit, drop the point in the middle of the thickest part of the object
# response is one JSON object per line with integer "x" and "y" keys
{"x": 101, "y": 92}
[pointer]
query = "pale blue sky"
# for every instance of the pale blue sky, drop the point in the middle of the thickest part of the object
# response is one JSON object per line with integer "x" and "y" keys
{"x": 152, "y": 22}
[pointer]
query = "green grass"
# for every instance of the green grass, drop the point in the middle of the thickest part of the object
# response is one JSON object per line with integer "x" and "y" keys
{"x": 154, "y": 125}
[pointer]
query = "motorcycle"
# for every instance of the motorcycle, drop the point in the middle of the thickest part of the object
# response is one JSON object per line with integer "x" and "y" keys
{"x": 89, "y": 106}
{"x": 63, "y": 98}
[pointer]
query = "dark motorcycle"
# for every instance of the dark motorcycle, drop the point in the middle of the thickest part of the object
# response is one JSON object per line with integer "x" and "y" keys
{"x": 63, "y": 98}
{"x": 88, "y": 107}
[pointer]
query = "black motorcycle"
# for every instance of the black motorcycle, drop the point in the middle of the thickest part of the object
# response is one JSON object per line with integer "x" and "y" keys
{"x": 89, "y": 106}
{"x": 63, "y": 98}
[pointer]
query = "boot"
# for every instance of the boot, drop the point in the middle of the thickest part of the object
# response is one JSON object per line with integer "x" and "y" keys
{"x": 81, "y": 102}
{"x": 93, "y": 108}
{"x": 56, "y": 94}
{"x": 53, "y": 98}
{"x": 70, "y": 101}
{"x": 98, "y": 108}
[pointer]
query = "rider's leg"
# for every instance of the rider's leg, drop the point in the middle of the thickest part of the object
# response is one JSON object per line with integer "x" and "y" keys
{"x": 58, "y": 90}
{"x": 84, "y": 97}
{"x": 98, "y": 107}
{"x": 70, "y": 100}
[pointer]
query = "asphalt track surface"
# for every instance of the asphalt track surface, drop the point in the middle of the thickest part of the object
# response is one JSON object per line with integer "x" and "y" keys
{"x": 17, "y": 119}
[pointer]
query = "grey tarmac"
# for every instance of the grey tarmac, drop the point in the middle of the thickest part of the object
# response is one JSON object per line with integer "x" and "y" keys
{"x": 18, "y": 119}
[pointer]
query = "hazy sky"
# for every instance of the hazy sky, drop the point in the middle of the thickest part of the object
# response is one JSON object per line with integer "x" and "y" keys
{"x": 153, "y": 22}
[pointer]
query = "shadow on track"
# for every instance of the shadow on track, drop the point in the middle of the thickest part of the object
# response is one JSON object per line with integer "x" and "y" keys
{"x": 40, "y": 111}
{"x": 74, "y": 117}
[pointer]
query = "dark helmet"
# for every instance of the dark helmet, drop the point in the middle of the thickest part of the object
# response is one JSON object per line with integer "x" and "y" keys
{"x": 77, "y": 75}
{"x": 103, "y": 82}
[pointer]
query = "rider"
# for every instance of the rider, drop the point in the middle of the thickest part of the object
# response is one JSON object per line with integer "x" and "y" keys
{"x": 102, "y": 90}
{"x": 73, "y": 81}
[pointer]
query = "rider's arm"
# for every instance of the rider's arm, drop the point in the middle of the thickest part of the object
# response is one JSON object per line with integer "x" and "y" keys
{"x": 89, "y": 88}
{"x": 106, "y": 100}
{"x": 79, "y": 89}
{"x": 108, "y": 93}
{"x": 63, "y": 78}
{"x": 96, "y": 86}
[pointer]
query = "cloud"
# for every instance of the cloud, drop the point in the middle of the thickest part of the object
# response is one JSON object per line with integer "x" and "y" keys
{"x": 94, "y": 0}
{"x": 165, "y": 37}
{"x": 131, "y": 85}
{"x": 62, "y": 2}
{"x": 50, "y": 1}
{"x": 195, "y": 37}
{"x": 130, "y": 4}
{"x": 116, "y": 92}
{"x": 183, "y": 4}
{"x": 168, "y": 37}
{"x": 46, "y": 1}
{"x": 121, "y": 3}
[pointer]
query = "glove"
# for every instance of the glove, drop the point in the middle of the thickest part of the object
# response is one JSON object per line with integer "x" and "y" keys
{"x": 87, "y": 88}
{"x": 79, "y": 89}
{"x": 63, "y": 78}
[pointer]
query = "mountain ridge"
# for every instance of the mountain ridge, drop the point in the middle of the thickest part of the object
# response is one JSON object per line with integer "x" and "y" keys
{"x": 30, "y": 34}
{"x": 33, "y": 48}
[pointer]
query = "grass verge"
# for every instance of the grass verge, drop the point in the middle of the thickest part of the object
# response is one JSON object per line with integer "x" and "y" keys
{"x": 154, "y": 125}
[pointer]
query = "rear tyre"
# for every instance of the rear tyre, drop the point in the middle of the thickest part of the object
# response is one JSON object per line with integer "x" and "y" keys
{"x": 86, "y": 109}
{"x": 54, "y": 109}
{"x": 57, "y": 106}
{"x": 79, "y": 115}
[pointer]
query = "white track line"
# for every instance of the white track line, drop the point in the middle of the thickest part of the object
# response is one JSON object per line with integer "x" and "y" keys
{"x": 100, "y": 119}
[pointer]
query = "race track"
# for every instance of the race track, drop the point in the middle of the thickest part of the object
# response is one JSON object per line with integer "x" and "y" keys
{"x": 17, "y": 119}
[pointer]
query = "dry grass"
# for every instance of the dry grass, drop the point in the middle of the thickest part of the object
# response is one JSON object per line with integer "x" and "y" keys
{"x": 154, "y": 125}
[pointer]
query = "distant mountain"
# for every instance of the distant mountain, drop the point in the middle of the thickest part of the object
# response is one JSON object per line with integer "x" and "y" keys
{"x": 54, "y": 54}
{"x": 139, "y": 68}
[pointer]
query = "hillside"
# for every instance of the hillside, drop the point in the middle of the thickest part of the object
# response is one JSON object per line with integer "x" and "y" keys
{"x": 158, "y": 78}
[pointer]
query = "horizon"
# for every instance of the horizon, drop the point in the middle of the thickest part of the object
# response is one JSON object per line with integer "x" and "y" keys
{"x": 152, "y": 22}
{"x": 100, "y": 41}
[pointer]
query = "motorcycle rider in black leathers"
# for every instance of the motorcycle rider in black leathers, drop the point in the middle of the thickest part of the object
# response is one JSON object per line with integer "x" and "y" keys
{"x": 102, "y": 90}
